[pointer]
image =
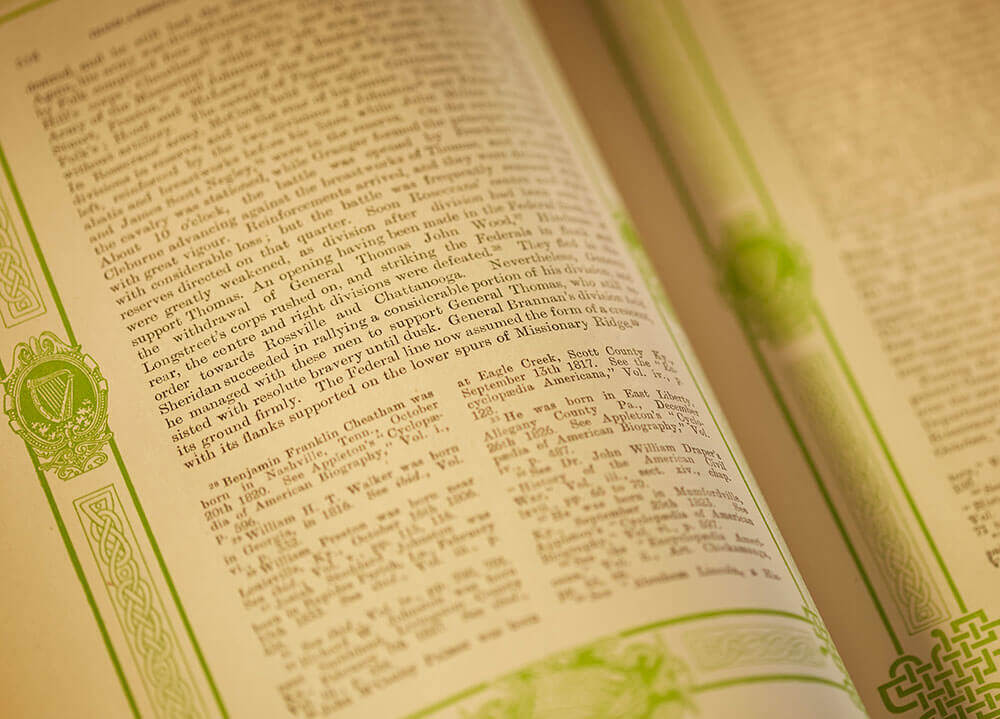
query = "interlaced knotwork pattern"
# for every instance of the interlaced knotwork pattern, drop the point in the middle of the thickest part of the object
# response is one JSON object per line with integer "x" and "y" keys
{"x": 958, "y": 681}
{"x": 138, "y": 606}
{"x": 19, "y": 296}
{"x": 863, "y": 482}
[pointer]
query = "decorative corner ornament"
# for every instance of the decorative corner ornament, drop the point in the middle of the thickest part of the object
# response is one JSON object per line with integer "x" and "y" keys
{"x": 57, "y": 401}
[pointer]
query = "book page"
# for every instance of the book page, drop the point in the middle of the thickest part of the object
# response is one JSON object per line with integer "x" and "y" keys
{"x": 842, "y": 182}
{"x": 338, "y": 385}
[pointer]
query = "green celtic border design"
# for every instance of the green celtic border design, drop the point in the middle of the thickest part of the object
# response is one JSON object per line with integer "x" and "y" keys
{"x": 71, "y": 439}
{"x": 960, "y": 680}
{"x": 20, "y": 299}
{"x": 85, "y": 452}
{"x": 137, "y": 604}
{"x": 767, "y": 280}
{"x": 865, "y": 488}
{"x": 716, "y": 648}
{"x": 776, "y": 276}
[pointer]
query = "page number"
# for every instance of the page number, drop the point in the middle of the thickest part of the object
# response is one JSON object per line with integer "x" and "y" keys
{"x": 29, "y": 59}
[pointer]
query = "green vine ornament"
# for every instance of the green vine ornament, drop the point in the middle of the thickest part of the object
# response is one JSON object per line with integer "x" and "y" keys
{"x": 607, "y": 680}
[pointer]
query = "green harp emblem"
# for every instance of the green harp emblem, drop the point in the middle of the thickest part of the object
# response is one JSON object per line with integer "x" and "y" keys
{"x": 53, "y": 395}
{"x": 57, "y": 401}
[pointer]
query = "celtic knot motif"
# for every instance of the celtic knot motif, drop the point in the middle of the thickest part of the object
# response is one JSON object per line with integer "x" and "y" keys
{"x": 716, "y": 648}
{"x": 864, "y": 484}
{"x": 959, "y": 681}
{"x": 139, "y": 608}
{"x": 19, "y": 297}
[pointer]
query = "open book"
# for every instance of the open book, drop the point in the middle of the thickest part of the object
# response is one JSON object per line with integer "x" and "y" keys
{"x": 340, "y": 383}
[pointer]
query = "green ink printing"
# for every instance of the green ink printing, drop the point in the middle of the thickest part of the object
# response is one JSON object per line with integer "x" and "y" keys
{"x": 57, "y": 401}
{"x": 960, "y": 680}
{"x": 20, "y": 299}
{"x": 767, "y": 279}
{"x": 606, "y": 680}
{"x": 139, "y": 607}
